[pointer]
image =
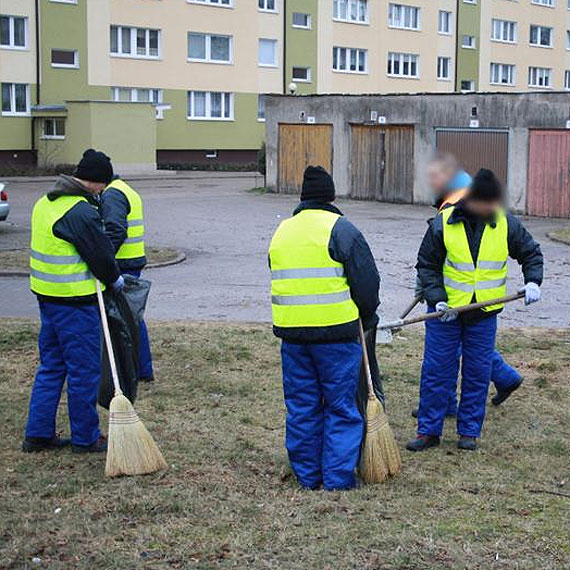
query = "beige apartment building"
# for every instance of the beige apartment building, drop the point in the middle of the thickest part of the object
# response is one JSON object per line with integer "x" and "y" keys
{"x": 202, "y": 67}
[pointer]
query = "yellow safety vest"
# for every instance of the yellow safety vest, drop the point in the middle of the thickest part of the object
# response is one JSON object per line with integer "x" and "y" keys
{"x": 488, "y": 279}
{"x": 453, "y": 198}
{"x": 308, "y": 287}
{"x": 133, "y": 246}
{"x": 56, "y": 268}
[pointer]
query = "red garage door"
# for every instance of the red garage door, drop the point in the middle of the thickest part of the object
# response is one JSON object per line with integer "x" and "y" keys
{"x": 548, "y": 192}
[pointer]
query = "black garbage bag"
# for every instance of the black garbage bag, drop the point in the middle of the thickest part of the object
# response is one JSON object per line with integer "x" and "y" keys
{"x": 362, "y": 394}
{"x": 125, "y": 311}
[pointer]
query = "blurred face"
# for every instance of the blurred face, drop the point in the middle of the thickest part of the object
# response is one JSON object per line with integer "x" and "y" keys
{"x": 483, "y": 209}
{"x": 439, "y": 175}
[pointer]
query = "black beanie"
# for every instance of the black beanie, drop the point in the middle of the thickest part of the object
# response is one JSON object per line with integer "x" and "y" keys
{"x": 95, "y": 166}
{"x": 317, "y": 185}
{"x": 486, "y": 187}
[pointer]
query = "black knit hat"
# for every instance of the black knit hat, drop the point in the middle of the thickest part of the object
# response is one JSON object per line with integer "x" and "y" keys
{"x": 486, "y": 187}
{"x": 95, "y": 166}
{"x": 317, "y": 185}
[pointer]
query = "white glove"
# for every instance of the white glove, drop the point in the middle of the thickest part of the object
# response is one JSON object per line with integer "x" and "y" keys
{"x": 449, "y": 314}
{"x": 119, "y": 284}
{"x": 531, "y": 293}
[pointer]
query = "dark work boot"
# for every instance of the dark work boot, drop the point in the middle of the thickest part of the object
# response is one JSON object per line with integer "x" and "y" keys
{"x": 33, "y": 444}
{"x": 99, "y": 446}
{"x": 503, "y": 395}
{"x": 422, "y": 442}
{"x": 147, "y": 379}
{"x": 467, "y": 443}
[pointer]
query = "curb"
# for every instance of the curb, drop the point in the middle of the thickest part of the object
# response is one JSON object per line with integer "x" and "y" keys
{"x": 557, "y": 239}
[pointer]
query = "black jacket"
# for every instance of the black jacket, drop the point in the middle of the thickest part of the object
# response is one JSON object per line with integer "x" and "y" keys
{"x": 432, "y": 254}
{"x": 114, "y": 210}
{"x": 347, "y": 246}
{"x": 82, "y": 226}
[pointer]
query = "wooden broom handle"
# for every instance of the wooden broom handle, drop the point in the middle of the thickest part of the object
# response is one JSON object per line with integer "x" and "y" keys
{"x": 365, "y": 360}
{"x": 107, "y": 335}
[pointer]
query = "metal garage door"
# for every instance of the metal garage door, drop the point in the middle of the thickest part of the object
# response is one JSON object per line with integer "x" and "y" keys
{"x": 548, "y": 191}
{"x": 299, "y": 147}
{"x": 382, "y": 163}
{"x": 477, "y": 148}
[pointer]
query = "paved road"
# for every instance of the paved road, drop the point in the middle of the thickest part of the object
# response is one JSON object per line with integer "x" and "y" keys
{"x": 225, "y": 231}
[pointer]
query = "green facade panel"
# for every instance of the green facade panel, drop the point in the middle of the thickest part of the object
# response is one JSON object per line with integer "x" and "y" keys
{"x": 468, "y": 24}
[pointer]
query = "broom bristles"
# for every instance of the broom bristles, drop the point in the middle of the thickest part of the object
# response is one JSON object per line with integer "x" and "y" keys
{"x": 131, "y": 448}
{"x": 380, "y": 456}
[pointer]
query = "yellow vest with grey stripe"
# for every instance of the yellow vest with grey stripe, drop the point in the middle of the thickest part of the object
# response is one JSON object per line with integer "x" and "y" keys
{"x": 308, "y": 287}
{"x": 133, "y": 246}
{"x": 487, "y": 279}
{"x": 56, "y": 268}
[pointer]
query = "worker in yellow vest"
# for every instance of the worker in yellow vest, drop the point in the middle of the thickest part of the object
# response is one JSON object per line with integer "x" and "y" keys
{"x": 323, "y": 278}
{"x": 463, "y": 259}
{"x": 123, "y": 214}
{"x": 69, "y": 252}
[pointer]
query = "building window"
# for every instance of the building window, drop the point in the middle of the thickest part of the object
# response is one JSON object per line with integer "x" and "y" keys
{"x": 224, "y": 3}
{"x": 568, "y": 39}
{"x": 135, "y": 42}
{"x": 567, "y": 79}
{"x": 539, "y": 77}
{"x": 355, "y": 11}
{"x": 403, "y": 17}
{"x": 65, "y": 58}
{"x": 350, "y": 60}
{"x": 53, "y": 129}
{"x": 444, "y": 22}
{"x": 301, "y": 74}
{"x": 469, "y": 42}
{"x": 267, "y": 55}
{"x": 261, "y": 107}
{"x": 502, "y": 74}
{"x": 403, "y": 65}
{"x": 209, "y": 48}
{"x": 267, "y": 5}
{"x": 504, "y": 31}
{"x": 64, "y": 1}
{"x": 301, "y": 20}
{"x": 210, "y": 106}
{"x": 13, "y": 32}
{"x": 136, "y": 95}
{"x": 15, "y": 99}
{"x": 467, "y": 85}
{"x": 540, "y": 36}
{"x": 444, "y": 68}
{"x": 543, "y": 2}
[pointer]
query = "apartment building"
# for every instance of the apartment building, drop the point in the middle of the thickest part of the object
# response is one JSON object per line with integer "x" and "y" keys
{"x": 202, "y": 67}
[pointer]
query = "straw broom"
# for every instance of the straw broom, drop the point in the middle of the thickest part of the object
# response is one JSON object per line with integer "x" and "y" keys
{"x": 380, "y": 455}
{"x": 131, "y": 449}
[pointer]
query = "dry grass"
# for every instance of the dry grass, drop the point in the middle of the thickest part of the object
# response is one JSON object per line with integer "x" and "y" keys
{"x": 563, "y": 234}
{"x": 228, "y": 500}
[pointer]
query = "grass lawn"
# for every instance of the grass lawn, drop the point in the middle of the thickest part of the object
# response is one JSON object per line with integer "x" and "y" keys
{"x": 229, "y": 501}
{"x": 563, "y": 234}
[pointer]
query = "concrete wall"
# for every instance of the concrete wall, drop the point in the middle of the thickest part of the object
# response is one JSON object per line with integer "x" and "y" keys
{"x": 516, "y": 112}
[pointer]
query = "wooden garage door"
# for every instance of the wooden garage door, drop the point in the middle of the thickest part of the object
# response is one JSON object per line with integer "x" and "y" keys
{"x": 548, "y": 191}
{"x": 299, "y": 147}
{"x": 475, "y": 149}
{"x": 382, "y": 163}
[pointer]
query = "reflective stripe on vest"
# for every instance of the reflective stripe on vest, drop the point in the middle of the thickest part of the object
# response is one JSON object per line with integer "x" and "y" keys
{"x": 308, "y": 287}
{"x": 133, "y": 246}
{"x": 56, "y": 268}
{"x": 488, "y": 279}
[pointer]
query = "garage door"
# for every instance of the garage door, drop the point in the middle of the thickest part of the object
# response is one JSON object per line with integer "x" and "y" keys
{"x": 548, "y": 190}
{"x": 299, "y": 147}
{"x": 477, "y": 148}
{"x": 382, "y": 163}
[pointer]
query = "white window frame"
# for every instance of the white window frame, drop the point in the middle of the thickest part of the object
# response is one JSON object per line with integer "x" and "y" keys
{"x": 208, "y": 40}
{"x": 261, "y": 105}
{"x": 264, "y": 8}
{"x": 361, "y": 6}
{"x": 300, "y": 80}
{"x": 190, "y": 109}
{"x": 405, "y": 12}
{"x": 500, "y": 69}
{"x": 75, "y": 64}
{"x": 275, "y": 53}
{"x": 472, "y": 45}
{"x": 134, "y": 94}
{"x": 347, "y": 59}
{"x": 11, "y": 44}
{"x": 449, "y": 18}
{"x": 545, "y": 3}
{"x": 133, "y": 43}
{"x": 504, "y": 26}
{"x": 53, "y": 137}
{"x": 568, "y": 40}
{"x": 536, "y": 73}
{"x": 469, "y": 1}
{"x": 567, "y": 79}
{"x": 13, "y": 112}
{"x": 440, "y": 66}
{"x": 402, "y": 59}
{"x": 213, "y": 3}
{"x": 64, "y": 1}
{"x": 309, "y": 21}
{"x": 539, "y": 34}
